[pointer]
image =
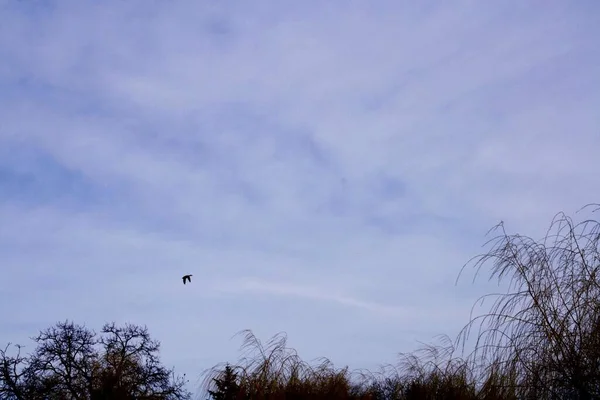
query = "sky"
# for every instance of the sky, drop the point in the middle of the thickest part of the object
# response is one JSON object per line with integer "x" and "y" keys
{"x": 323, "y": 169}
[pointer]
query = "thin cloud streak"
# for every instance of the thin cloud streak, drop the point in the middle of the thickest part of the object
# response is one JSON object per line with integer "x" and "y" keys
{"x": 313, "y": 293}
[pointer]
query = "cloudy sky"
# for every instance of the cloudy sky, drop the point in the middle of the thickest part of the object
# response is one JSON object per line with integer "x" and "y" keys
{"x": 321, "y": 168}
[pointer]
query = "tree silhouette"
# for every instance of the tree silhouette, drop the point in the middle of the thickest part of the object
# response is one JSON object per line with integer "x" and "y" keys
{"x": 226, "y": 385}
{"x": 72, "y": 362}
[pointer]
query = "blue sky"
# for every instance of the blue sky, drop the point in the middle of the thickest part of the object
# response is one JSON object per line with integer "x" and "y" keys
{"x": 321, "y": 168}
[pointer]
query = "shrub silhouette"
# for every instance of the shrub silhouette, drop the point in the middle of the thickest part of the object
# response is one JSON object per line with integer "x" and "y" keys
{"x": 543, "y": 335}
{"x": 72, "y": 362}
{"x": 540, "y": 340}
{"x": 226, "y": 385}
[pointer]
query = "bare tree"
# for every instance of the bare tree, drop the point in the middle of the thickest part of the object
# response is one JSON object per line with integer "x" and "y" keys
{"x": 16, "y": 377}
{"x": 72, "y": 362}
{"x": 131, "y": 364}
{"x": 64, "y": 356}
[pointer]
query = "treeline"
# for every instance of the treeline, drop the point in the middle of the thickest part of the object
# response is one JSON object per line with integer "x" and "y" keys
{"x": 539, "y": 340}
{"x": 71, "y": 361}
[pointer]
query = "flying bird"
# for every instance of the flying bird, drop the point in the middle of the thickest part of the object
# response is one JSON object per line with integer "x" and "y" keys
{"x": 188, "y": 278}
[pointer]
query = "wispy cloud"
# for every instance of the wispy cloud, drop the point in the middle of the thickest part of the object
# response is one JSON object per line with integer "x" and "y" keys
{"x": 311, "y": 164}
{"x": 314, "y": 293}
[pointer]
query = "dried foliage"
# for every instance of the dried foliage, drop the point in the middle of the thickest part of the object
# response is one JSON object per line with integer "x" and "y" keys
{"x": 544, "y": 333}
{"x": 274, "y": 370}
{"x": 540, "y": 339}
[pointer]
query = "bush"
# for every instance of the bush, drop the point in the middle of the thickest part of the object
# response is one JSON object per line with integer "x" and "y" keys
{"x": 540, "y": 340}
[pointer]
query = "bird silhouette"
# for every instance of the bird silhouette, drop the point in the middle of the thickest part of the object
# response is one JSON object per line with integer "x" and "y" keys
{"x": 187, "y": 277}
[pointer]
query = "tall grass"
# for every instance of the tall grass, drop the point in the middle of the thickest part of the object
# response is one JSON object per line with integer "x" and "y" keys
{"x": 545, "y": 331}
{"x": 539, "y": 340}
